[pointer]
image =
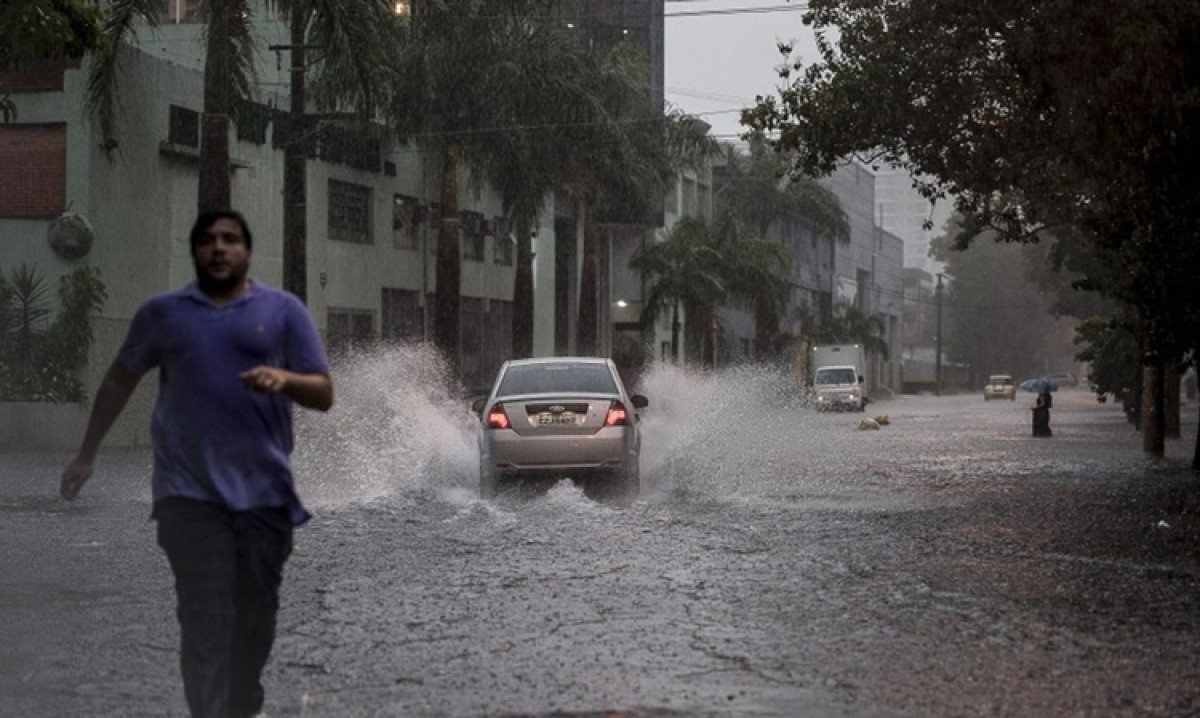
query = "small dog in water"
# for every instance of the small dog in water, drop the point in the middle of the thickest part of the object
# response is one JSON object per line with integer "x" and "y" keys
{"x": 868, "y": 424}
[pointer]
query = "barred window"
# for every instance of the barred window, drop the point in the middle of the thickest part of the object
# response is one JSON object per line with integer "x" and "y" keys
{"x": 472, "y": 233}
{"x": 404, "y": 224}
{"x": 180, "y": 11}
{"x": 504, "y": 243}
{"x": 183, "y": 126}
{"x": 349, "y": 212}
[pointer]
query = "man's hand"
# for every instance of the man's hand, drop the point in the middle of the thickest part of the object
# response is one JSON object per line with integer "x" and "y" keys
{"x": 74, "y": 476}
{"x": 267, "y": 379}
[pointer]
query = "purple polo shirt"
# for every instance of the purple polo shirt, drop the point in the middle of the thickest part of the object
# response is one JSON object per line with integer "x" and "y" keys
{"x": 215, "y": 439}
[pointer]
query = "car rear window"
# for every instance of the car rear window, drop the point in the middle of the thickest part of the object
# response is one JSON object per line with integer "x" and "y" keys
{"x": 1001, "y": 379}
{"x": 558, "y": 378}
{"x": 835, "y": 376}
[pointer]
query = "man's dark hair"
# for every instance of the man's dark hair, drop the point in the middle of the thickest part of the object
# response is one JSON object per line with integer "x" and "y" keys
{"x": 208, "y": 219}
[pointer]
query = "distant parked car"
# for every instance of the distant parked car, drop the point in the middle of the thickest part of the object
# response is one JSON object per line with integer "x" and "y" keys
{"x": 1000, "y": 386}
{"x": 559, "y": 417}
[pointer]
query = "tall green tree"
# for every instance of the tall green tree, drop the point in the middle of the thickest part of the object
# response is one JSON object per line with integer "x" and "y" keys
{"x": 1030, "y": 114}
{"x": 684, "y": 272}
{"x": 458, "y": 59}
{"x": 997, "y": 319}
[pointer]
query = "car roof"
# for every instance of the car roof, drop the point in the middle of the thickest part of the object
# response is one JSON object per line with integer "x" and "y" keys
{"x": 1000, "y": 376}
{"x": 557, "y": 360}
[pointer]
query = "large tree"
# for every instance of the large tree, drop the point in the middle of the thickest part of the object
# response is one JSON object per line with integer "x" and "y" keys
{"x": 1031, "y": 114}
{"x": 466, "y": 75}
{"x": 997, "y": 319}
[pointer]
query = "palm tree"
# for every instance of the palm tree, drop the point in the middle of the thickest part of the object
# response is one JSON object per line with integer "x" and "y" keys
{"x": 685, "y": 271}
{"x": 459, "y": 58}
{"x": 851, "y": 325}
{"x": 544, "y": 89}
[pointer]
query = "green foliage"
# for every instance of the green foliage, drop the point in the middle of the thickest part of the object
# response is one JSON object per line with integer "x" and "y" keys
{"x": 36, "y": 30}
{"x": 850, "y": 325}
{"x": 699, "y": 268}
{"x": 995, "y": 317}
{"x": 1110, "y": 347}
{"x": 40, "y": 358}
{"x": 1034, "y": 115}
{"x": 757, "y": 191}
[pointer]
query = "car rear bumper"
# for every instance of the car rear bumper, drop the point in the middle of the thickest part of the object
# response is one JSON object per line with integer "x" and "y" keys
{"x": 507, "y": 451}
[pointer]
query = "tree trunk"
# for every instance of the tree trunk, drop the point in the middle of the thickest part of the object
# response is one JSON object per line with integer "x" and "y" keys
{"x": 766, "y": 328}
{"x": 1196, "y": 451}
{"x": 675, "y": 332}
{"x": 588, "y": 309}
{"x": 1139, "y": 385}
{"x": 1171, "y": 387}
{"x": 522, "y": 329}
{"x": 214, "y": 189}
{"x": 695, "y": 333}
{"x": 448, "y": 270}
{"x": 295, "y": 181}
{"x": 1153, "y": 419}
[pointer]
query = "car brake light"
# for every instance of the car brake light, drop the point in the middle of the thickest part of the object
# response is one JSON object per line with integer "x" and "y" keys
{"x": 497, "y": 419}
{"x": 616, "y": 415}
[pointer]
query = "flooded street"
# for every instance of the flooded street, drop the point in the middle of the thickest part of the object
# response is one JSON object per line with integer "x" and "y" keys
{"x": 784, "y": 563}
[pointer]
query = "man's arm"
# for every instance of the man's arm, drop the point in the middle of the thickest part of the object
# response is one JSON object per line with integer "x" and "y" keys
{"x": 312, "y": 391}
{"x": 111, "y": 398}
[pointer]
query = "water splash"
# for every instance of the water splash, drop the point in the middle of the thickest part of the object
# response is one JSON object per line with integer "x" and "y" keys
{"x": 394, "y": 428}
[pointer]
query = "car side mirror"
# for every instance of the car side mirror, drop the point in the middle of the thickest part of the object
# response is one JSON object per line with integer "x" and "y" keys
{"x": 860, "y": 378}
{"x": 639, "y": 401}
{"x": 478, "y": 404}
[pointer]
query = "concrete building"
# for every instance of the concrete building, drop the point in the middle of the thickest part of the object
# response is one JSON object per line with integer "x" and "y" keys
{"x": 370, "y": 211}
{"x": 901, "y": 210}
{"x": 868, "y": 269}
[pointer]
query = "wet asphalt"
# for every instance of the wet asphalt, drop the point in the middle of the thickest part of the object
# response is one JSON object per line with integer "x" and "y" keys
{"x": 784, "y": 563}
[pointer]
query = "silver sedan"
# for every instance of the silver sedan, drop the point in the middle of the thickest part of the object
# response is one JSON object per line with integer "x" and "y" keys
{"x": 559, "y": 416}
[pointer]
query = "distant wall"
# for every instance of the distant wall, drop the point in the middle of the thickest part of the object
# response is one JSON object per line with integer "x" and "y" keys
{"x": 41, "y": 426}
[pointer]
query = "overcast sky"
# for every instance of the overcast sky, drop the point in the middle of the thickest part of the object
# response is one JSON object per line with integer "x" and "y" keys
{"x": 719, "y": 62}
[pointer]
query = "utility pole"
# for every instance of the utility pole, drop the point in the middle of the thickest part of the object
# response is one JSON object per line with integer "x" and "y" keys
{"x": 938, "y": 370}
{"x": 295, "y": 160}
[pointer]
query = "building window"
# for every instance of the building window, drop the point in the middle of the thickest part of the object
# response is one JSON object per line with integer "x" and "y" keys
{"x": 349, "y": 212}
{"x": 505, "y": 243}
{"x": 348, "y": 330}
{"x": 404, "y": 222}
{"x": 183, "y": 127}
{"x": 472, "y": 234}
{"x": 180, "y": 11}
{"x": 33, "y": 170}
{"x": 401, "y": 316}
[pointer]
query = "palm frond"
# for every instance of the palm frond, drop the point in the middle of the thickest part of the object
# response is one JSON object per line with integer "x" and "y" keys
{"x": 103, "y": 93}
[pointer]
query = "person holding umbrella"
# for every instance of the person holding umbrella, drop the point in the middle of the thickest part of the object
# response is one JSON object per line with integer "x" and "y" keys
{"x": 1041, "y": 408}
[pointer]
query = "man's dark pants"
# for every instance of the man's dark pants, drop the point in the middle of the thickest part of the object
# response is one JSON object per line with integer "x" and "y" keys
{"x": 228, "y": 566}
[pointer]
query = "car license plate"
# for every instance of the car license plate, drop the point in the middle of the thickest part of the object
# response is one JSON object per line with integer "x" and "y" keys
{"x": 548, "y": 419}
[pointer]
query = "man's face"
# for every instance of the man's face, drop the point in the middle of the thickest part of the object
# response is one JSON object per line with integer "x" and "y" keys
{"x": 221, "y": 256}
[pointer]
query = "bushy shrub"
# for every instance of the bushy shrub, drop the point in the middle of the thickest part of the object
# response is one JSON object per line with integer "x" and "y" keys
{"x": 41, "y": 356}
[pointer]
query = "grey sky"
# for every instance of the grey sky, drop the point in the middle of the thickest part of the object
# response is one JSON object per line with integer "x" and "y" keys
{"x": 718, "y": 63}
